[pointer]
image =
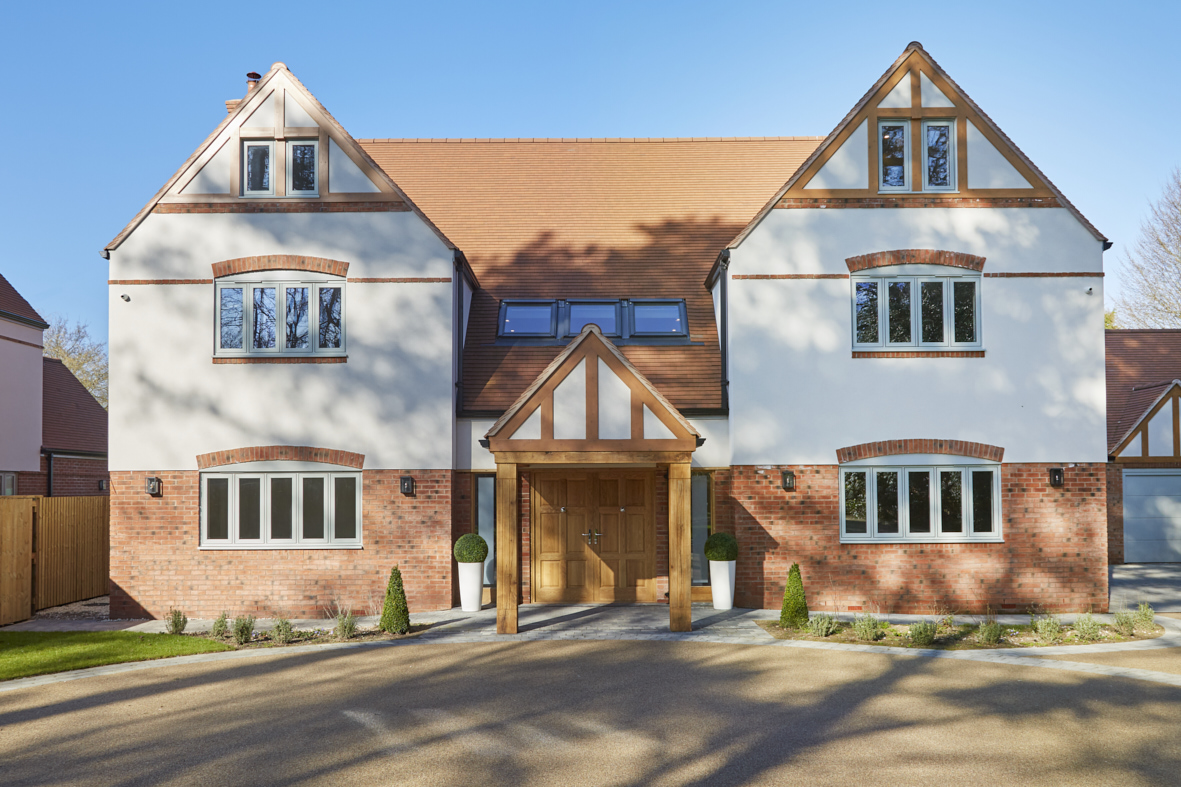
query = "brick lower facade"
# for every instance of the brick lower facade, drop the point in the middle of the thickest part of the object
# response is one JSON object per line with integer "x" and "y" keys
{"x": 1115, "y": 514}
{"x": 72, "y": 477}
{"x": 156, "y": 563}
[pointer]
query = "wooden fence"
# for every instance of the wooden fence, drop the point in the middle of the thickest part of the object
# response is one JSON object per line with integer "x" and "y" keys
{"x": 53, "y": 550}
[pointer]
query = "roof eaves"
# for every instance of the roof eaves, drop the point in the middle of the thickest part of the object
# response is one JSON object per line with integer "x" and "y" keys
{"x": 38, "y": 323}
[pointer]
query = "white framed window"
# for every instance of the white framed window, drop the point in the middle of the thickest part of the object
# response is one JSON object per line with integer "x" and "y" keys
{"x": 894, "y": 154}
{"x": 7, "y": 484}
{"x": 939, "y": 155}
{"x": 278, "y": 510}
{"x": 303, "y": 169}
{"x": 919, "y": 311}
{"x": 258, "y": 164}
{"x": 926, "y": 503}
{"x": 261, "y": 315}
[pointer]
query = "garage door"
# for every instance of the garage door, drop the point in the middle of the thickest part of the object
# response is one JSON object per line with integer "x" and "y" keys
{"x": 1152, "y": 516}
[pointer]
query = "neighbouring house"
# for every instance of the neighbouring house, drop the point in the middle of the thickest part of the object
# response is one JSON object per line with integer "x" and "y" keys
{"x": 53, "y": 437}
{"x": 877, "y": 353}
{"x": 1144, "y": 471}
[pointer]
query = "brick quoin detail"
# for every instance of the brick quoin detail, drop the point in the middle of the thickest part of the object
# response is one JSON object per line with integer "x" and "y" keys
{"x": 882, "y": 259}
{"x": 1115, "y": 514}
{"x": 992, "y": 453}
{"x": 1054, "y": 553}
{"x": 289, "y": 453}
{"x": 156, "y": 562}
{"x": 279, "y": 262}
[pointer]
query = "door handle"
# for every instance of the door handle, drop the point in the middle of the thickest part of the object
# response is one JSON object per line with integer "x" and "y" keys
{"x": 592, "y": 537}
{"x": 563, "y": 509}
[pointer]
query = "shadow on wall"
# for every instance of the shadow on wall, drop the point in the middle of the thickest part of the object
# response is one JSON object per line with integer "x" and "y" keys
{"x": 655, "y": 712}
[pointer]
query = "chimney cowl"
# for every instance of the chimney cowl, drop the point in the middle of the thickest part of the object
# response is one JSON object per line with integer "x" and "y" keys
{"x": 252, "y": 78}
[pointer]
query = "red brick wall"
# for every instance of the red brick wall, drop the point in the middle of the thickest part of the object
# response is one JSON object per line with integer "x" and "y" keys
{"x": 1054, "y": 555}
{"x": 156, "y": 563}
{"x": 462, "y": 521}
{"x": 71, "y": 478}
{"x": 1115, "y": 514}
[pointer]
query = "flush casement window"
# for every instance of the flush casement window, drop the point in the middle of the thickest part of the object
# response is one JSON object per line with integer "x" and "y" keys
{"x": 7, "y": 484}
{"x": 936, "y": 312}
{"x": 281, "y": 510}
{"x": 627, "y": 320}
{"x": 939, "y": 155}
{"x": 894, "y": 155}
{"x": 937, "y": 146}
{"x": 920, "y": 503}
{"x": 266, "y": 316}
{"x": 302, "y": 164}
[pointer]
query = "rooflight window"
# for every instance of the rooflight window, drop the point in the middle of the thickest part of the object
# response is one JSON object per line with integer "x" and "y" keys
{"x": 604, "y": 315}
{"x": 527, "y": 319}
{"x": 894, "y": 155}
{"x": 667, "y": 319}
{"x": 257, "y": 157}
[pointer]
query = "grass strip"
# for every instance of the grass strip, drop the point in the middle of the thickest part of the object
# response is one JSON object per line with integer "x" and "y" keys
{"x": 27, "y": 653}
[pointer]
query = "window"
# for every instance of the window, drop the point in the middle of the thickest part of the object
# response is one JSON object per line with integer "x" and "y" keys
{"x": 701, "y": 524}
{"x": 485, "y": 521}
{"x": 277, "y": 510}
{"x": 920, "y": 503}
{"x": 626, "y": 321}
{"x": 268, "y": 317}
{"x": 916, "y": 311}
{"x": 527, "y": 319}
{"x": 939, "y": 155}
{"x": 7, "y": 484}
{"x": 257, "y": 159}
{"x": 604, "y": 315}
{"x": 894, "y": 155}
{"x": 658, "y": 319}
{"x": 302, "y": 169}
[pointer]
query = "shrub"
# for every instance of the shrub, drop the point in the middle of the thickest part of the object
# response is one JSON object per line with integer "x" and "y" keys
{"x": 346, "y": 624}
{"x": 1145, "y": 616}
{"x": 795, "y": 605}
{"x": 1049, "y": 628}
{"x": 221, "y": 626}
{"x": 822, "y": 626}
{"x": 282, "y": 632}
{"x": 923, "y": 633}
{"x": 176, "y": 622}
{"x": 1125, "y": 623}
{"x": 471, "y": 548}
{"x": 867, "y": 627}
{"x": 395, "y": 615}
{"x": 1086, "y": 627}
{"x": 990, "y": 632}
{"x": 721, "y": 546}
{"x": 243, "y": 628}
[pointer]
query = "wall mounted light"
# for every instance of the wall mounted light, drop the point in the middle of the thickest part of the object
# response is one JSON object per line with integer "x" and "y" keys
{"x": 154, "y": 486}
{"x": 407, "y": 485}
{"x": 789, "y": 481}
{"x": 126, "y": 298}
{"x": 103, "y": 485}
{"x": 1056, "y": 479}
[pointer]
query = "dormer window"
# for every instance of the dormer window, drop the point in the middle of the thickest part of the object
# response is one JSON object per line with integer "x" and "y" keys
{"x": 894, "y": 155}
{"x": 301, "y": 168}
{"x": 939, "y": 155}
{"x": 257, "y": 158}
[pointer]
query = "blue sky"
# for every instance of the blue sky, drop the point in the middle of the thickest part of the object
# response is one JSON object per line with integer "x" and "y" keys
{"x": 105, "y": 101}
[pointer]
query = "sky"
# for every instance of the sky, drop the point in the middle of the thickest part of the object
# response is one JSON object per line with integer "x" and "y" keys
{"x": 105, "y": 101}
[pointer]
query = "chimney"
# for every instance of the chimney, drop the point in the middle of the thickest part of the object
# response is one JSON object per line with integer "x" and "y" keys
{"x": 251, "y": 83}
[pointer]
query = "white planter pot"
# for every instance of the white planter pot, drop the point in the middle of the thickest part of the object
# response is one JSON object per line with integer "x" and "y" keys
{"x": 721, "y": 580}
{"x": 471, "y": 586}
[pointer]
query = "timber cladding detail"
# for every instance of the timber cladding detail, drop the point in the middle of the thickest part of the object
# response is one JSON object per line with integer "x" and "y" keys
{"x": 156, "y": 562}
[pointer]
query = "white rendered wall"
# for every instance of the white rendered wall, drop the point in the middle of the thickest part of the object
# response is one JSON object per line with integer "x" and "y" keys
{"x": 20, "y": 397}
{"x": 796, "y": 393}
{"x": 391, "y": 401}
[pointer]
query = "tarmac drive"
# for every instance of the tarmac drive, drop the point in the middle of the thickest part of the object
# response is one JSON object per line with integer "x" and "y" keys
{"x": 602, "y": 713}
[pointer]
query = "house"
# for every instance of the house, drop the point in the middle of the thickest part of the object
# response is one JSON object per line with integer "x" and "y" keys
{"x": 53, "y": 437}
{"x": 1144, "y": 471}
{"x": 877, "y": 353}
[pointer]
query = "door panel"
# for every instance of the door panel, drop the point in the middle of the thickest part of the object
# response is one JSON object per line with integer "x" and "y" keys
{"x": 1152, "y": 516}
{"x": 618, "y": 564}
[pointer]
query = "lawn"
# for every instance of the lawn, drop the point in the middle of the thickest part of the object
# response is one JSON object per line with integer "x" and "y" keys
{"x": 26, "y": 653}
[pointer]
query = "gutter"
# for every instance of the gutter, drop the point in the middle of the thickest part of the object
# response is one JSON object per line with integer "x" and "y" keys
{"x": 722, "y": 267}
{"x": 24, "y": 320}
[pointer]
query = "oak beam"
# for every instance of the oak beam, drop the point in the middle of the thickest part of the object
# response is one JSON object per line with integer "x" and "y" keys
{"x": 508, "y": 574}
{"x": 680, "y": 572}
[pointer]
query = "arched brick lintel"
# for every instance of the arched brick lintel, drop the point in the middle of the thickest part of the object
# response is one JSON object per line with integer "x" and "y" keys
{"x": 882, "y": 259}
{"x": 273, "y": 453}
{"x": 992, "y": 453}
{"x": 279, "y": 262}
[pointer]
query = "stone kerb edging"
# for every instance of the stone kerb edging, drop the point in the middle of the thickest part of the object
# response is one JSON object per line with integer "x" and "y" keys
{"x": 882, "y": 259}
{"x": 992, "y": 453}
{"x": 272, "y": 453}
{"x": 279, "y": 262}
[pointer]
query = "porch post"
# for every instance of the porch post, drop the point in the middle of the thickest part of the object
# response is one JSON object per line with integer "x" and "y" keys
{"x": 680, "y": 572}
{"x": 508, "y": 575}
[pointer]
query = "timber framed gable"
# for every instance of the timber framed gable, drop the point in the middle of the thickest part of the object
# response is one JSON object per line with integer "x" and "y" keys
{"x": 1156, "y": 435}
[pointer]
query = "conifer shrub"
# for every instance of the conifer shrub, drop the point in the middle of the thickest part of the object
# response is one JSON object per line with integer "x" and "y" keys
{"x": 395, "y": 615}
{"x": 471, "y": 548}
{"x": 794, "y": 614}
{"x": 221, "y": 626}
{"x": 721, "y": 546}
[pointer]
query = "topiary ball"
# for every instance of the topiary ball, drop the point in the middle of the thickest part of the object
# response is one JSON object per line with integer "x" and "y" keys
{"x": 471, "y": 548}
{"x": 721, "y": 546}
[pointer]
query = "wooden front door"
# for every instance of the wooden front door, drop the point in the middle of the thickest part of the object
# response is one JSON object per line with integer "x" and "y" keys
{"x": 594, "y": 537}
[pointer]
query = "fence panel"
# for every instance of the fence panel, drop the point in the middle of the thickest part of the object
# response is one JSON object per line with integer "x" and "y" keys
{"x": 73, "y": 549}
{"x": 16, "y": 558}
